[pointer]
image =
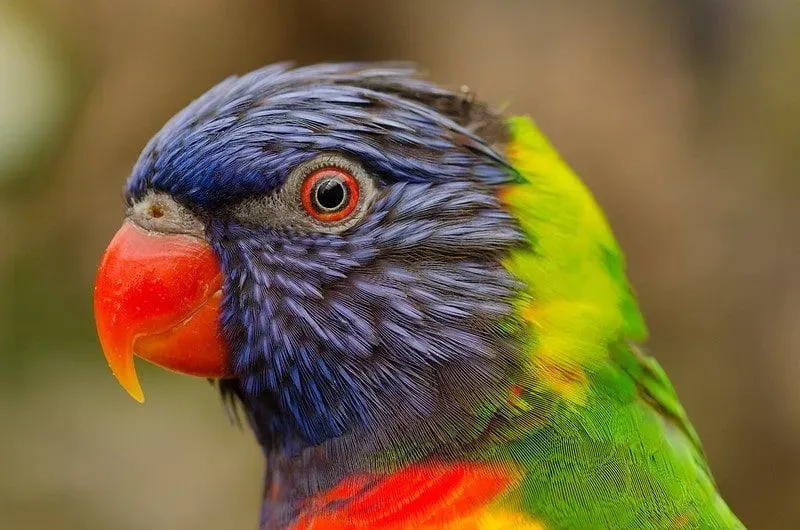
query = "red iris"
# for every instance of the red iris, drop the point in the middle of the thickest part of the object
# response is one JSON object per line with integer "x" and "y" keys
{"x": 329, "y": 194}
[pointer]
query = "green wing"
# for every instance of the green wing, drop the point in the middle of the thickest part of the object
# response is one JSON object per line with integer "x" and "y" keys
{"x": 597, "y": 429}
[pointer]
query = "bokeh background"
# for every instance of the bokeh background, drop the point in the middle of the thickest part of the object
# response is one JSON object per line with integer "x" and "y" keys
{"x": 683, "y": 116}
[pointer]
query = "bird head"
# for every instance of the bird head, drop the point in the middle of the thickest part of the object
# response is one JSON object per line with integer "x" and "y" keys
{"x": 328, "y": 239}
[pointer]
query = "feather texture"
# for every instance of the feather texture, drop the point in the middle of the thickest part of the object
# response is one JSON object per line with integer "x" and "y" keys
{"x": 593, "y": 435}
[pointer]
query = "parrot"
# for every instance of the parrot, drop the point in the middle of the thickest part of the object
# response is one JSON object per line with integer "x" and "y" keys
{"x": 413, "y": 301}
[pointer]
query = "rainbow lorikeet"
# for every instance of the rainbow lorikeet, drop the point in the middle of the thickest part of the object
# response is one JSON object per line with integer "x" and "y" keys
{"x": 418, "y": 305}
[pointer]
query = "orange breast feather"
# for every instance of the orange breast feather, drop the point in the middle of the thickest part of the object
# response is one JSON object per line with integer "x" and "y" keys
{"x": 421, "y": 497}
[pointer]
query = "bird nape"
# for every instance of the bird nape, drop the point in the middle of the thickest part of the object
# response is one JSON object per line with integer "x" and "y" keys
{"x": 418, "y": 305}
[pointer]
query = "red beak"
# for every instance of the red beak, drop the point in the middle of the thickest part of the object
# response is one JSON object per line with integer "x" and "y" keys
{"x": 158, "y": 296}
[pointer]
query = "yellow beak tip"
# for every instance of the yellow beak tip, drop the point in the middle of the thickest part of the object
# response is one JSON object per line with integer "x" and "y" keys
{"x": 135, "y": 391}
{"x": 131, "y": 384}
{"x": 138, "y": 396}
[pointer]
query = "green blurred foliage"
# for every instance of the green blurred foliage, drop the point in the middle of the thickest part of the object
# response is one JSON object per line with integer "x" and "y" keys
{"x": 683, "y": 116}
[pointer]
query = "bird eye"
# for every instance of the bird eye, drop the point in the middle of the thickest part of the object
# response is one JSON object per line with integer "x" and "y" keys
{"x": 329, "y": 194}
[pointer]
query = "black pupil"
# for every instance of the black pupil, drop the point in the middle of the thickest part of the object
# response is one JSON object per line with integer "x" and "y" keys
{"x": 330, "y": 194}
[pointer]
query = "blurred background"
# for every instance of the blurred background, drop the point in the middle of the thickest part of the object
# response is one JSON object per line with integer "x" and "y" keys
{"x": 683, "y": 116}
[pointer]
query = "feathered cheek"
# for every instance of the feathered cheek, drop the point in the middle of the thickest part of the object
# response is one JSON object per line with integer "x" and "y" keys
{"x": 158, "y": 296}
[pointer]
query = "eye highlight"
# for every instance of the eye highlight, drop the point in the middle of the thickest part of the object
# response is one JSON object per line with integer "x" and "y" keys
{"x": 329, "y": 194}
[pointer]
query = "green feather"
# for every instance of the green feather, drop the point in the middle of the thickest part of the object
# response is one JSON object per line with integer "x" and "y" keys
{"x": 598, "y": 431}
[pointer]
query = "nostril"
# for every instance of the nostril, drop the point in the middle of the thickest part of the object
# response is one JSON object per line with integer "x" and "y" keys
{"x": 156, "y": 211}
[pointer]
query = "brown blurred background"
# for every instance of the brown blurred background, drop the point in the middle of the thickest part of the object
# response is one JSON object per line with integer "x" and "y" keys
{"x": 682, "y": 116}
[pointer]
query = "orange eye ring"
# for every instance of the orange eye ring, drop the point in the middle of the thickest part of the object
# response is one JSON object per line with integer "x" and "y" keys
{"x": 329, "y": 194}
